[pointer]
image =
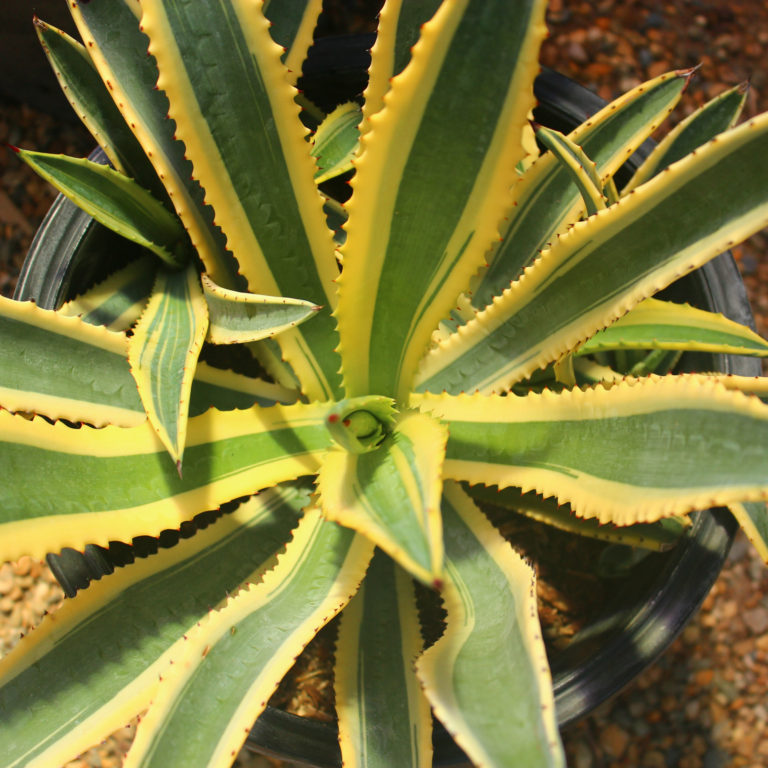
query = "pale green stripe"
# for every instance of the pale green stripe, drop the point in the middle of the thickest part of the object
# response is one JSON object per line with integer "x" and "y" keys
{"x": 542, "y": 210}
{"x": 440, "y": 173}
{"x": 674, "y": 447}
{"x": 382, "y": 674}
{"x": 494, "y": 671}
{"x": 253, "y": 647}
{"x": 112, "y": 481}
{"x": 126, "y": 635}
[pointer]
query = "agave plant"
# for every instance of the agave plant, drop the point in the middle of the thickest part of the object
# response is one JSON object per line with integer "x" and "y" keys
{"x": 487, "y": 329}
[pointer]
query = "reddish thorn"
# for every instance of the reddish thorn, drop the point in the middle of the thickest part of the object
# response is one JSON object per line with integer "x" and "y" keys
{"x": 437, "y": 584}
{"x": 333, "y": 418}
{"x": 178, "y": 468}
{"x": 346, "y": 422}
{"x": 15, "y": 149}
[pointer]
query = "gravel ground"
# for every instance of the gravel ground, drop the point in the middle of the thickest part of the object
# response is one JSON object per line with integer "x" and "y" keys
{"x": 703, "y": 704}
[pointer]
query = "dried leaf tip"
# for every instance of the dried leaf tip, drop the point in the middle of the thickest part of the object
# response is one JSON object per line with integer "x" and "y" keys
{"x": 687, "y": 74}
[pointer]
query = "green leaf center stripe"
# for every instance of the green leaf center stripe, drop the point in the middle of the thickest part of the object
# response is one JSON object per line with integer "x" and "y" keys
{"x": 655, "y": 324}
{"x": 70, "y": 353}
{"x": 546, "y": 198}
{"x": 112, "y": 35}
{"x": 118, "y": 632}
{"x": 493, "y": 633}
{"x": 379, "y": 637}
{"x": 164, "y": 350}
{"x": 227, "y": 455}
{"x": 433, "y": 207}
{"x": 604, "y": 266}
{"x": 636, "y": 468}
{"x": 243, "y": 650}
{"x": 249, "y": 153}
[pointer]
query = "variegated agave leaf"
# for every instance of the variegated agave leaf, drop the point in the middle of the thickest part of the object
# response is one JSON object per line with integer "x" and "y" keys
{"x": 402, "y": 450}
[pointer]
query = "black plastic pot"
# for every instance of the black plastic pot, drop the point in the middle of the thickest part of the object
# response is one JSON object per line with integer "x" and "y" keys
{"x": 665, "y": 590}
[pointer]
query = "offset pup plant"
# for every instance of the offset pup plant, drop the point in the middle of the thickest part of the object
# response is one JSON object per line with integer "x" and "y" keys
{"x": 487, "y": 323}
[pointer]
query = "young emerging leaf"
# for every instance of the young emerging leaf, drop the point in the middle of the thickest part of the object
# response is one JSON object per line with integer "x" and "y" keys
{"x": 582, "y": 169}
{"x": 392, "y": 494}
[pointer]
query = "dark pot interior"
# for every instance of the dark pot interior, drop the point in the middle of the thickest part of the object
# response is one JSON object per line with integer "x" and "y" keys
{"x": 644, "y": 616}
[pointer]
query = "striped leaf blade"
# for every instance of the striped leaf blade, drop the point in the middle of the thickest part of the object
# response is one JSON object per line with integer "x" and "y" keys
{"x": 120, "y": 633}
{"x": 701, "y": 126}
{"x": 90, "y": 99}
{"x": 655, "y": 324}
{"x": 547, "y": 202}
{"x": 392, "y": 494}
{"x": 115, "y": 201}
{"x": 232, "y": 662}
{"x": 429, "y": 194}
{"x": 634, "y": 453}
{"x": 384, "y": 718}
{"x": 118, "y": 48}
{"x": 659, "y": 536}
{"x": 582, "y": 170}
{"x": 163, "y": 352}
{"x": 335, "y": 142}
{"x": 293, "y": 24}
{"x": 492, "y": 634}
{"x": 64, "y": 368}
{"x": 132, "y": 488}
{"x": 606, "y": 265}
{"x": 117, "y": 302}
{"x": 258, "y": 177}
{"x": 237, "y": 317}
